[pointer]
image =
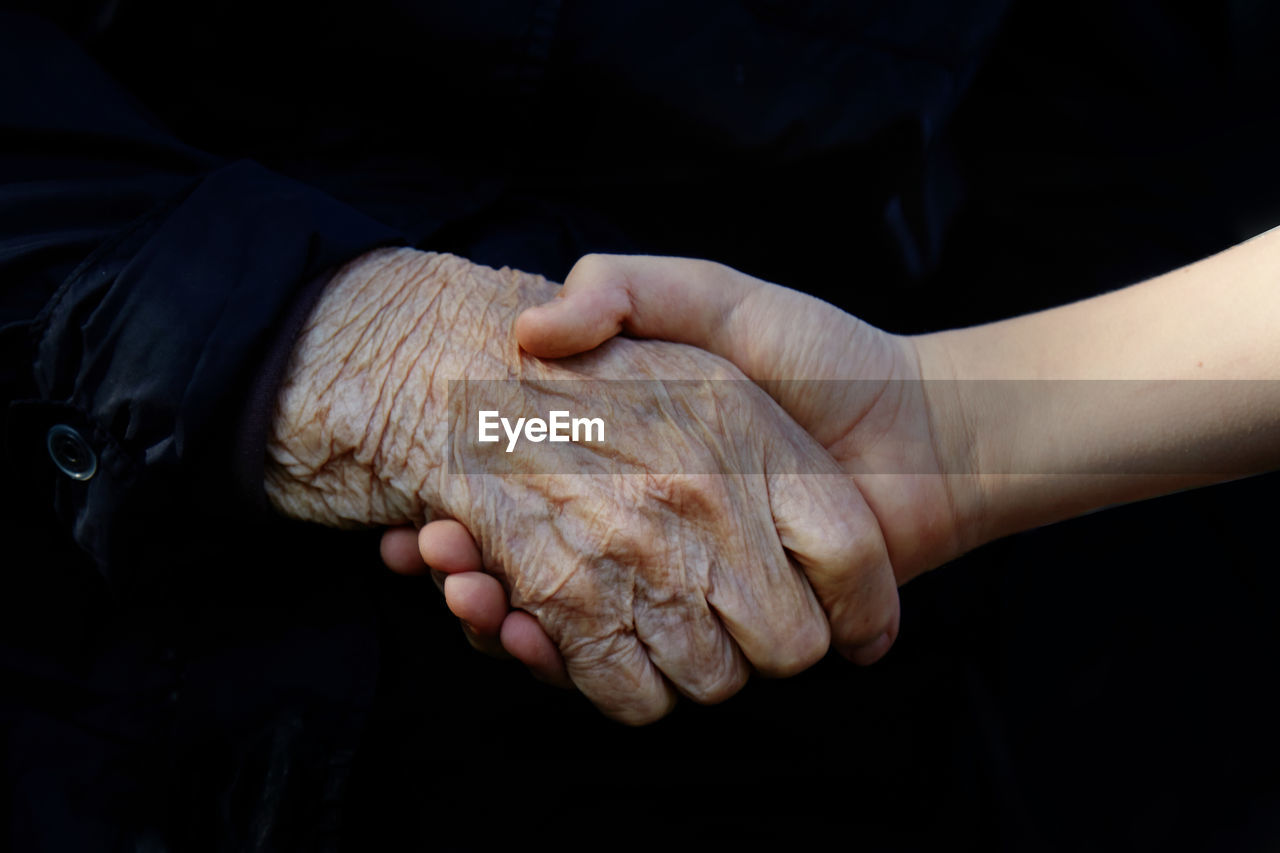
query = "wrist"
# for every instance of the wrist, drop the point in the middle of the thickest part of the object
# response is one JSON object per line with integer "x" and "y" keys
{"x": 360, "y": 431}
{"x": 956, "y": 420}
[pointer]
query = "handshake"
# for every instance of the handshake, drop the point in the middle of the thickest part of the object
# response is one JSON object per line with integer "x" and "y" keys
{"x": 637, "y": 585}
{"x": 771, "y": 468}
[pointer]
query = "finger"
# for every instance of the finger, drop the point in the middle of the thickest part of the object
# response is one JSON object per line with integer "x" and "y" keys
{"x": 871, "y": 652}
{"x": 708, "y": 666}
{"x": 616, "y": 674}
{"x": 584, "y": 614}
{"x": 478, "y": 600}
{"x": 399, "y": 549}
{"x": 685, "y": 638}
{"x": 523, "y": 638}
{"x": 763, "y": 600}
{"x": 718, "y": 309}
{"x": 674, "y": 299}
{"x": 447, "y": 545}
{"x": 831, "y": 533}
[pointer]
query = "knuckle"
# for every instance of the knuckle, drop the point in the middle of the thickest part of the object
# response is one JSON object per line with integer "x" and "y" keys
{"x": 853, "y": 553}
{"x": 596, "y": 650}
{"x": 717, "y": 686}
{"x": 558, "y": 593}
{"x": 795, "y": 650}
{"x": 613, "y": 672}
{"x": 591, "y": 269}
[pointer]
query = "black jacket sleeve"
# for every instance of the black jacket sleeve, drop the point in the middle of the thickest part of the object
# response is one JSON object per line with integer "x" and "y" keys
{"x": 143, "y": 285}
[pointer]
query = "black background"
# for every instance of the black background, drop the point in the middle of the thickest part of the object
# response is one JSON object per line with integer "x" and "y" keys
{"x": 1106, "y": 683}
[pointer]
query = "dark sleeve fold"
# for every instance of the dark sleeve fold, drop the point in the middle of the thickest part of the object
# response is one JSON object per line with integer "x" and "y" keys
{"x": 162, "y": 348}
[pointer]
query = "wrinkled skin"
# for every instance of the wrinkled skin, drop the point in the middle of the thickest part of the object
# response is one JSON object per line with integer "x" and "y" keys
{"x": 647, "y": 582}
{"x": 853, "y": 387}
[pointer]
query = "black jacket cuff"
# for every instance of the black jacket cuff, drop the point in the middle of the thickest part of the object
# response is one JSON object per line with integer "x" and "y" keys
{"x": 153, "y": 351}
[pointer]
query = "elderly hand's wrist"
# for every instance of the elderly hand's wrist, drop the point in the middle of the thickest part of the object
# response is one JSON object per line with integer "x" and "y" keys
{"x": 360, "y": 430}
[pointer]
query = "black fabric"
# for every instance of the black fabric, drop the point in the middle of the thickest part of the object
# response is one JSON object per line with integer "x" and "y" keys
{"x": 184, "y": 672}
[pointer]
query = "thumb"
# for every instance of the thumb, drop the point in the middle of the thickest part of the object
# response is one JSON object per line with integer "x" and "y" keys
{"x": 673, "y": 299}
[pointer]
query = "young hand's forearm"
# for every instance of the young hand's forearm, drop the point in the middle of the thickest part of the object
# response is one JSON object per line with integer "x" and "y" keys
{"x": 1162, "y": 386}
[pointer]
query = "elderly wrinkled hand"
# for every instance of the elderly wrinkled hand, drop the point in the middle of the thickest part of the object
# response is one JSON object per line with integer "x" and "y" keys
{"x": 669, "y": 561}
